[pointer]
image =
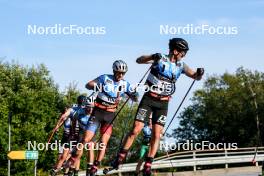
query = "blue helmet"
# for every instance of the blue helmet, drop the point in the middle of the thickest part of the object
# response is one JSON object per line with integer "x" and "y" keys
{"x": 146, "y": 131}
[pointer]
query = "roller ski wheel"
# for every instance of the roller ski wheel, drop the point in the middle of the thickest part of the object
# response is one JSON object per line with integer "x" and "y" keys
{"x": 147, "y": 173}
{"x": 92, "y": 174}
{"x": 70, "y": 173}
{"x": 107, "y": 170}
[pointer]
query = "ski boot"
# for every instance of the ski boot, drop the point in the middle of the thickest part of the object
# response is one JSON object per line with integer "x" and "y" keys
{"x": 147, "y": 167}
{"x": 94, "y": 168}
{"x": 71, "y": 172}
{"x": 53, "y": 172}
{"x": 69, "y": 162}
{"x": 75, "y": 172}
{"x": 88, "y": 168}
{"x": 119, "y": 159}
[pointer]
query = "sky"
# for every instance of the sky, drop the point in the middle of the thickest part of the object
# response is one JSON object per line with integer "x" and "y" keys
{"x": 131, "y": 29}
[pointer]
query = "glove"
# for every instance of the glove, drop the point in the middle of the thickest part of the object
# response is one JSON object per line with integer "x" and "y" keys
{"x": 134, "y": 96}
{"x": 199, "y": 72}
{"x": 156, "y": 56}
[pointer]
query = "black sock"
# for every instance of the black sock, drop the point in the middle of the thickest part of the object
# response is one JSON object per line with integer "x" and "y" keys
{"x": 149, "y": 159}
{"x": 123, "y": 151}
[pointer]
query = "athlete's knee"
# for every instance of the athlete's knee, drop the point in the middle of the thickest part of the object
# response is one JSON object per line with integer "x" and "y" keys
{"x": 137, "y": 127}
{"x": 86, "y": 140}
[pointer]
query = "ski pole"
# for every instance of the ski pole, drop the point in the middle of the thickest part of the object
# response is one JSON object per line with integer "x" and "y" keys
{"x": 130, "y": 114}
{"x": 58, "y": 125}
{"x": 174, "y": 117}
{"x": 179, "y": 106}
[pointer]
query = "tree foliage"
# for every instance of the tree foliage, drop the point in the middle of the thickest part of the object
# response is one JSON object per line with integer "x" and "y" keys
{"x": 35, "y": 102}
{"x": 224, "y": 110}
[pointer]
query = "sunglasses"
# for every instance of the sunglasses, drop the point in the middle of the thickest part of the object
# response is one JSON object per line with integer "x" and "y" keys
{"x": 120, "y": 73}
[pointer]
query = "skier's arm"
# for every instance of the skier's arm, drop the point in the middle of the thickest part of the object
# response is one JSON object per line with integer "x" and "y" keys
{"x": 63, "y": 117}
{"x": 193, "y": 74}
{"x": 93, "y": 84}
{"x": 148, "y": 59}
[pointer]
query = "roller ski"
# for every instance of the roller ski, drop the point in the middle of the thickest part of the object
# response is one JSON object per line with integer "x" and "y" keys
{"x": 114, "y": 166}
{"x": 94, "y": 168}
{"x": 54, "y": 172}
{"x": 106, "y": 170}
{"x": 72, "y": 172}
{"x": 88, "y": 169}
{"x": 116, "y": 163}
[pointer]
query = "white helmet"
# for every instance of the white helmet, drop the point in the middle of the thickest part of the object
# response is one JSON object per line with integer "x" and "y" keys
{"x": 120, "y": 66}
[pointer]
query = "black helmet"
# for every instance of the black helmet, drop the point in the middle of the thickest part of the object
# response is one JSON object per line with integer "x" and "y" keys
{"x": 90, "y": 101}
{"x": 178, "y": 44}
{"x": 120, "y": 66}
{"x": 82, "y": 100}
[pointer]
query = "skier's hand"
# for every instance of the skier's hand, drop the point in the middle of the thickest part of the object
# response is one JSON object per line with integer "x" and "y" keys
{"x": 156, "y": 56}
{"x": 134, "y": 96}
{"x": 199, "y": 73}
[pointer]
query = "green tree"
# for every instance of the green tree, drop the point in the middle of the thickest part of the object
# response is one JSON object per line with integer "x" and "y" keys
{"x": 35, "y": 102}
{"x": 71, "y": 93}
{"x": 224, "y": 111}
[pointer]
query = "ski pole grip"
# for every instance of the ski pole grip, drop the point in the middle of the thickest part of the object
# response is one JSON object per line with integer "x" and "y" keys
{"x": 200, "y": 71}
